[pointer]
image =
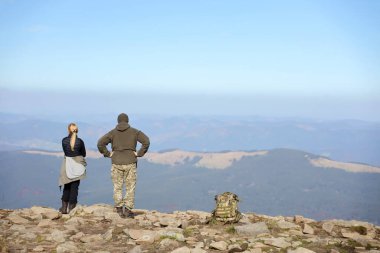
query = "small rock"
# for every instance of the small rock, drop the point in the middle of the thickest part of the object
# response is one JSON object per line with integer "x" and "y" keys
{"x": 67, "y": 247}
{"x": 75, "y": 221}
{"x": 364, "y": 241}
{"x": 19, "y": 228}
{"x": 221, "y": 245}
{"x": 134, "y": 233}
{"x": 139, "y": 217}
{"x": 136, "y": 249}
{"x": 108, "y": 235}
{"x": 351, "y": 235}
{"x": 352, "y": 223}
{"x": 296, "y": 244}
{"x": 19, "y": 249}
{"x": 91, "y": 238}
{"x": 78, "y": 210}
{"x": 47, "y": 213}
{"x": 131, "y": 242}
{"x": 295, "y": 232}
{"x": 233, "y": 246}
{"x": 38, "y": 249}
{"x": 4, "y": 222}
{"x": 145, "y": 223}
{"x": 58, "y": 236}
{"x": 29, "y": 236}
{"x": 197, "y": 213}
{"x": 198, "y": 250}
{"x": 112, "y": 216}
{"x": 52, "y": 215}
{"x": 252, "y": 229}
{"x": 168, "y": 243}
{"x": 312, "y": 240}
{"x": 209, "y": 231}
{"x": 219, "y": 238}
{"x": 71, "y": 229}
{"x": 301, "y": 219}
{"x": 286, "y": 225}
{"x": 169, "y": 222}
{"x": 233, "y": 239}
{"x": 199, "y": 245}
{"x": 40, "y": 209}
{"x": 334, "y": 241}
{"x": 98, "y": 210}
{"x": 45, "y": 223}
{"x": 184, "y": 224}
{"x": 125, "y": 222}
{"x": 59, "y": 216}
{"x": 307, "y": 229}
{"x": 152, "y": 218}
{"x": 77, "y": 236}
{"x": 298, "y": 218}
{"x": 142, "y": 236}
{"x": 328, "y": 227}
{"x": 244, "y": 219}
{"x": 300, "y": 250}
{"x": 36, "y": 217}
{"x": 14, "y": 218}
{"x": 258, "y": 245}
{"x": 277, "y": 242}
{"x": 192, "y": 241}
{"x": 181, "y": 250}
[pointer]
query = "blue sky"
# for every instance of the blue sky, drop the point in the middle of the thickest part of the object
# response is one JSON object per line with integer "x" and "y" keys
{"x": 275, "y": 58}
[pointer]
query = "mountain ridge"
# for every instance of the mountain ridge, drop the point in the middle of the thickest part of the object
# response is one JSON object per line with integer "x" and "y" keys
{"x": 340, "y": 140}
{"x": 225, "y": 159}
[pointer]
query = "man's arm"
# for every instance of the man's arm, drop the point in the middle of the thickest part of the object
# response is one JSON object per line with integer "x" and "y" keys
{"x": 144, "y": 140}
{"x": 102, "y": 144}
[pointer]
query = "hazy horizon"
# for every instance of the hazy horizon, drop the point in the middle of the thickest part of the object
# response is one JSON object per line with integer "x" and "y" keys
{"x": 77, "y": 106}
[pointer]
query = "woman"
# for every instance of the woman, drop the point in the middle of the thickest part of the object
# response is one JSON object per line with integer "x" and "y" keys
{"x": 73, "y": 168}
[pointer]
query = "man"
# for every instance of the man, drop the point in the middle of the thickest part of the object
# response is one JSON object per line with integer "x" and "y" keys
{"x": 123, "y": 139}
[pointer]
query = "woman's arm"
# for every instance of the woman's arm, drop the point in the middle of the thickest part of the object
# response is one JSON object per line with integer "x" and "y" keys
{"x": 82, "y": 149}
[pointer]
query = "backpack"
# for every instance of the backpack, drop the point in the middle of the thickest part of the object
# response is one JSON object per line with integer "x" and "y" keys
{"x": 227, "y": 208}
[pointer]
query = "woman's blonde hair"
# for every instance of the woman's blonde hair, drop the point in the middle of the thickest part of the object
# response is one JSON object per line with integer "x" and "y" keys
{"x": 73, "y": 130}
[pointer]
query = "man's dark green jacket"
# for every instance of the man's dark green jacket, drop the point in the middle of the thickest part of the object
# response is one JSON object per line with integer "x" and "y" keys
{"x": 123, "y": 139}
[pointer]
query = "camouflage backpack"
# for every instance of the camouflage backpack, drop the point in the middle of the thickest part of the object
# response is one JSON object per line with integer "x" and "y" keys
{"x": 227, "y": 208}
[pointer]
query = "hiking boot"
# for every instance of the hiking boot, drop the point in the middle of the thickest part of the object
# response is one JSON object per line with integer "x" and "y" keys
{"x": 71, "y": 207}
{"x": 119, "y": 210}
{"x": 63, "y": 208}
{"x": 128, "y": 213}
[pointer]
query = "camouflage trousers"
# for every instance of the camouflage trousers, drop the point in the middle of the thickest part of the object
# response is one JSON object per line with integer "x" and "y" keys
{"x": 124, "y": 174}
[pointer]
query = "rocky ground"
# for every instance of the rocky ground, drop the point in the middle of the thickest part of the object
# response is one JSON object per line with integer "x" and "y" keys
{"x": 98, "y": 228}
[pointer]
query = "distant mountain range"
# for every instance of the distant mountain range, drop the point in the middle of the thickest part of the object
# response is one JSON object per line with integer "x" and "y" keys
{"x": 272, "y": 182}
{"x": 222, "y": 160}
{"x": 343, "y": 140}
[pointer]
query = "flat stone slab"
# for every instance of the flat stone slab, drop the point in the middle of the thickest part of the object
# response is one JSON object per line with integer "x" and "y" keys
{"x": 253, "y": 229}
